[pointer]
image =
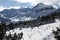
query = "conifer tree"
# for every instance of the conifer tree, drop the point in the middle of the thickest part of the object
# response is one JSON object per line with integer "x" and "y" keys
{"x": 57, "y": 34}
{"x": 2, "y": 30}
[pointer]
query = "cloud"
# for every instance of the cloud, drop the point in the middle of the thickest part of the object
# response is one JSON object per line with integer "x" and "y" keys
{"x": 35, "y": 1}
{"x": 16, "y": 4}
{"x": 14, "y": 7}
{"x": 1, "y": 8}
{"x": 32, "y": 2}
{"x": 50, "y": 1}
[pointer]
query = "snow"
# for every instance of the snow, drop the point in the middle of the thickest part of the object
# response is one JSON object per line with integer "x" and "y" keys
{"x": 26, "y": 18}
{"x": 36, "y": 33}
{"x": 2, "y": 15}
{"x": 57, "y": 20}
{"x": 21, "y": 19}
{"x": 14, "y": 20}
{"x": 55, "y": 6}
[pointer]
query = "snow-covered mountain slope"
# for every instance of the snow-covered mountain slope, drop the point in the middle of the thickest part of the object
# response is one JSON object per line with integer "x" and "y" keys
{"x": 56, "y": 4}
{"x": 21, "y": 19}
{"x": 2, "y": 18}
{"x": 14, "y": 13}
{"x": 43, "y": 32}
{"x": 41, "y": 6}
{"x": 40, "y": 10}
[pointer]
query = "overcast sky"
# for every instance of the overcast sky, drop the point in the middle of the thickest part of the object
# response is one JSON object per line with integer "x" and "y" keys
{"x": 23, "y": 3}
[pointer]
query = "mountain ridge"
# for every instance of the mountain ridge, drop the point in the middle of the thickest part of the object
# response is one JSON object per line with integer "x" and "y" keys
{"x": 38, "y": 10}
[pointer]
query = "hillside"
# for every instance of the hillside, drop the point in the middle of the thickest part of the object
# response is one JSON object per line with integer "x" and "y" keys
{"x": 34, "y": 23}
{"x": 43, "y": 32}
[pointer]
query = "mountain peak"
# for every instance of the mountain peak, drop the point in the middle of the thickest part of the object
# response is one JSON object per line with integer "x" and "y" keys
{"x": 40, "y": 4}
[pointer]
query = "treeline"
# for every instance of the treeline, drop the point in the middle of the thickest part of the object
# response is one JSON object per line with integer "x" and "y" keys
{"x": 37, "y": 22}
{"x": 5, "y": 27}
{"x": 57, "y": 34}
{"x": 14, "y": 37}
{"x": 49, "y": 18}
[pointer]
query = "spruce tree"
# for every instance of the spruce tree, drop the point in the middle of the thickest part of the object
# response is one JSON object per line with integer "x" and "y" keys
{"x": 2, "y": 30}
{"x": 57, "y": 34}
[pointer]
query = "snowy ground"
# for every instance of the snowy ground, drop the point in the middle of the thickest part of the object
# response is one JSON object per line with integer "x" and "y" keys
{"x": 37, "y": 33}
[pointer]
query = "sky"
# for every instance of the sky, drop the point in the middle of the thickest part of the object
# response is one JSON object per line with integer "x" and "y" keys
{"x": 8, "y": 4}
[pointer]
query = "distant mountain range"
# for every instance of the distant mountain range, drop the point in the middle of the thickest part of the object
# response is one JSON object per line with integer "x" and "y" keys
{"x": 25, "y": 14}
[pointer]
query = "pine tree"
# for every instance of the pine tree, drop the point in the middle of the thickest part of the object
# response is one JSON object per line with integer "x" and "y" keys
{"x": 8, "y": 37}
{"x": 11, "y": 26}
{"x": 2, "y": 30}
{"x": 57, "y": 34}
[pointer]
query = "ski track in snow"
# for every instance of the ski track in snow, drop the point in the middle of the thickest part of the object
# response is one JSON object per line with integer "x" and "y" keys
{"x": 36, "y": 33}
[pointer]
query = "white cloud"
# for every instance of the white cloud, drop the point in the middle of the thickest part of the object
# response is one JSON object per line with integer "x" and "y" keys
{"x": 50, "y": 1}
{"x": 27, "y": 1}
{"x": 34, "y": 2}
{"x": 1, "y": 8}
{"x": 14, "y": 7}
